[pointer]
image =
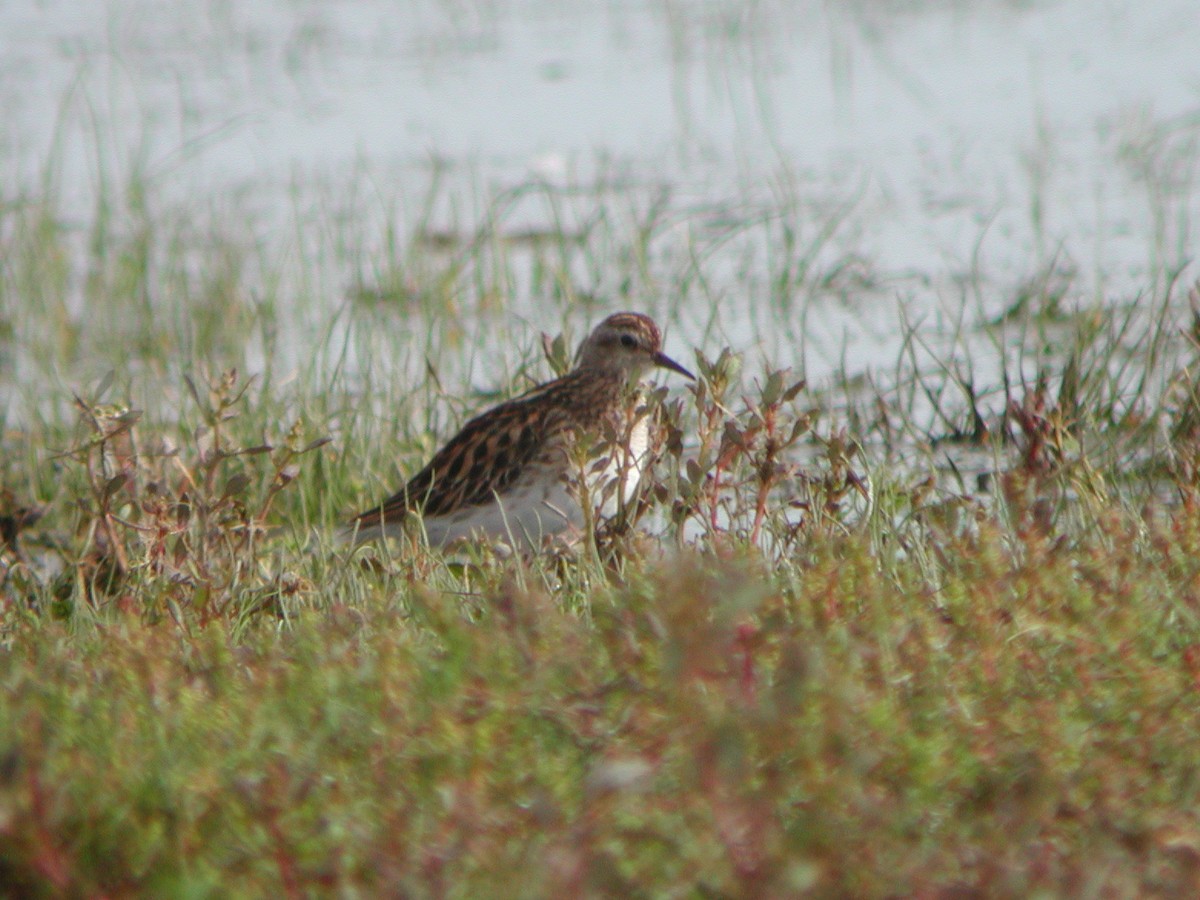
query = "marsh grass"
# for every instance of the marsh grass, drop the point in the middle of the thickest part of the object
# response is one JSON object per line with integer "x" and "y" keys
{"x": 932, "y": 632}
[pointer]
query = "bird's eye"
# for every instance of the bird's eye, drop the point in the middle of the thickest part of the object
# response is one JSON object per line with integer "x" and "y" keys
{"x": 628, "y": 341}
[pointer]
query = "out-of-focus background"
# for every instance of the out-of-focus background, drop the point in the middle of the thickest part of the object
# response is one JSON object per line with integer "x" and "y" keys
{"x": 804, "y": 180}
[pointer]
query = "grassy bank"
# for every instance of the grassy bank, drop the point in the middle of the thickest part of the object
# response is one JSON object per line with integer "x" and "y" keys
{"x": 1002, "y": 713}
{"x": 936, "y": 635}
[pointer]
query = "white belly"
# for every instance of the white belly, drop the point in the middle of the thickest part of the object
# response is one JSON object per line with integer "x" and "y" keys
{"x": 546, "y": 504}
{"x": 613, "y": 477}
{"x": 524, "y": 517}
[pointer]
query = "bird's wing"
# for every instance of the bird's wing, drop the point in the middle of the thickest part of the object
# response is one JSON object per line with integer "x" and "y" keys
{"x": 489, "y": 454}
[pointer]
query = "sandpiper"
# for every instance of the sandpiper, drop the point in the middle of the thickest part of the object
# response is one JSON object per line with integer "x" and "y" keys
{"x": 549, "y": 461}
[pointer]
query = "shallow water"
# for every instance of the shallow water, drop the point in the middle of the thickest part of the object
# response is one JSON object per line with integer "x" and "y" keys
{"x": 951, "y": 150}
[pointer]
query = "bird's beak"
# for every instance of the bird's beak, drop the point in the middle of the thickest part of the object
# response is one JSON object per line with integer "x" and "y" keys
{"x": 661, "y": 359}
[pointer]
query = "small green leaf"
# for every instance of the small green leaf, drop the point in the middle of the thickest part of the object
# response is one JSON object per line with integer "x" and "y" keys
{"x": 236, "y": 485}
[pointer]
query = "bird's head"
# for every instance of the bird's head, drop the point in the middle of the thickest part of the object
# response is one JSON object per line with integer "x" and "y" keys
{"x": 630, "y": 343}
